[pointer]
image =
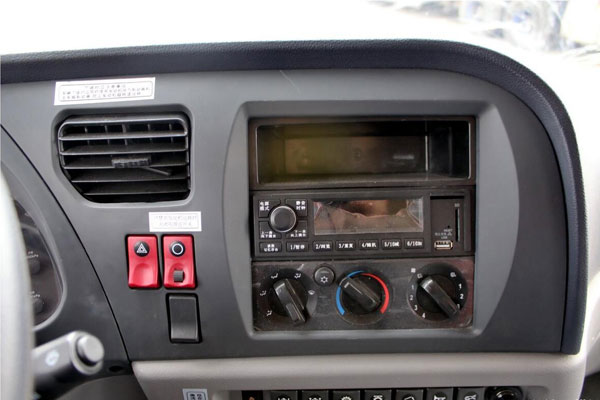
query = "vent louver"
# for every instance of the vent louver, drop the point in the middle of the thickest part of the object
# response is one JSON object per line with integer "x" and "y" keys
{"x": 127, "y": 158}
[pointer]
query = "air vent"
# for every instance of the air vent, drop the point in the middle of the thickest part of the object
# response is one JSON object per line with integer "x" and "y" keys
{"x": 127, "y": 158}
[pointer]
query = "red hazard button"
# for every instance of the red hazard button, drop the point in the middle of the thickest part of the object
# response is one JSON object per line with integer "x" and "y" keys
{"x": 142, "y": 256}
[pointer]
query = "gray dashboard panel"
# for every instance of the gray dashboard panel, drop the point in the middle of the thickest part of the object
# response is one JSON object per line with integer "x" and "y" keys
{"x": 542, "y": 376}
{"x": 378, "y": 54}
{"x": 519, "y": 195}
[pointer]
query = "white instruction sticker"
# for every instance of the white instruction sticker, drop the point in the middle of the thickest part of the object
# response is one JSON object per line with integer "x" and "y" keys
{"x": 187, "y": 221}
{"x": 195, "y": 394}
{"x": 103, "y": 91}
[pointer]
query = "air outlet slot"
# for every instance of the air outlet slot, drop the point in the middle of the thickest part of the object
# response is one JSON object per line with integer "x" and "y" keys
{"x": 127, "y": 158}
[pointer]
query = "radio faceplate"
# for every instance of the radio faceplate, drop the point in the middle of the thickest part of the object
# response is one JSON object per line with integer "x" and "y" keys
{"x": 346, "y": 224}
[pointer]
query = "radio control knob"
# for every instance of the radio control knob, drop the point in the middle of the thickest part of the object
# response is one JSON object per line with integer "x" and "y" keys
{"x": 363, "y": 295}
{"x": 291, "y": 297}
{"x": 282, "y": 219}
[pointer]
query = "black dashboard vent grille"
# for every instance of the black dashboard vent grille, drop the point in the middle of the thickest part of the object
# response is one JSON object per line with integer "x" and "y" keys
{"x": 127, "y": 158}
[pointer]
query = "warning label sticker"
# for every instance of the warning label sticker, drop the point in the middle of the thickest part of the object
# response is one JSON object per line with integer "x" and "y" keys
{"x": 103, "y": 91}
{"x": 186, "y": 221}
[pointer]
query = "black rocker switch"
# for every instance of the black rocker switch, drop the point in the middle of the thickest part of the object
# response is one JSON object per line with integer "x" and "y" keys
{"x": 184, "y": 324}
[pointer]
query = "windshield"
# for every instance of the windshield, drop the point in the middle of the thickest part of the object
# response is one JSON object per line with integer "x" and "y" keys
{"x": 559, "y": 40}
{"x": 535, "y": 25}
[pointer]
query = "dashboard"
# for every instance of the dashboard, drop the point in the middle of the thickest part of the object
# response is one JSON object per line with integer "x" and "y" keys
{"x": 320, "y": 220}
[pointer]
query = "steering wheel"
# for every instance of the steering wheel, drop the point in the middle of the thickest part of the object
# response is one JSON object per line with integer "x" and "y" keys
{"x": 16, "y": 337}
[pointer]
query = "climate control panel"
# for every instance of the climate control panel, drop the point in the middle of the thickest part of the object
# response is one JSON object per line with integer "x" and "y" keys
{"x": 420, "y": 293}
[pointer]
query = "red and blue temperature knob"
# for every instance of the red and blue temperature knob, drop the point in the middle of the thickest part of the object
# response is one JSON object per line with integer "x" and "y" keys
{"x": 362, "y": 293}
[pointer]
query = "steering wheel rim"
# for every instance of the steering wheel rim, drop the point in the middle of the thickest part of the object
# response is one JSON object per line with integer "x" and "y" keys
{"x": 16, "y": 319}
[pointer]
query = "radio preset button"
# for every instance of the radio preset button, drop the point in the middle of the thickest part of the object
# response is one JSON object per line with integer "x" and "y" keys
{"x": 414, "y": 243}
{"x": 265, "y": 207}
{"x": 323, "y": 245}
{"x": 294, "y": 247}
{"x": 265, "y": 231}
{"x": 345, "y": 245}
{"x": 270, "y": 247}
{"x": 391, "y": 244}
{"x": 300, "y": 232}
{"x": 368, "y": 244}
{"x": 299, "y": 205}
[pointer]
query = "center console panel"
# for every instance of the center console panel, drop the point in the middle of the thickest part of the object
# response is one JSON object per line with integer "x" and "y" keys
{"x": 390, "y": 248}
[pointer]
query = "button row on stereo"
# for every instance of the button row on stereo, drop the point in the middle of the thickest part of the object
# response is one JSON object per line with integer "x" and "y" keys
{"x": 340, "y": 245}
{"x": 275, "y": 247}
{"x": 300, "y": 206}
{"x": 448, "y": 393}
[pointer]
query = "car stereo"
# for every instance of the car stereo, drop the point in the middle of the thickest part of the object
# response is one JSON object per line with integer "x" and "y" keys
{"x": 378, "y": 223}
{"x": 362, "y": 218}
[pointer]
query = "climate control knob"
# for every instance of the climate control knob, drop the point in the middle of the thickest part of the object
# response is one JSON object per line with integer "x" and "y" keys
{"x": 438, "y": 292}
{"x": 282, "y": 219}
{"x": 289, "y": 299}
{"x": 361, "y": 294}
{"x": 362, "y": 298}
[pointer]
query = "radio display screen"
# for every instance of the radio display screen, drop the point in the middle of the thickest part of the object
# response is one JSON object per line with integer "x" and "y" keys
{"x": 368, "y": 216}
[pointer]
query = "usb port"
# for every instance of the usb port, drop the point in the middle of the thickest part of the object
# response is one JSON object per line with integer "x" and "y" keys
{"x": 443, "y": 245}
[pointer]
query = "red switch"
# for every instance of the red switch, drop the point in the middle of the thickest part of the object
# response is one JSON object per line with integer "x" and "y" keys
{"x": 142, "y": 254}
{"x": 178, "y": 252}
